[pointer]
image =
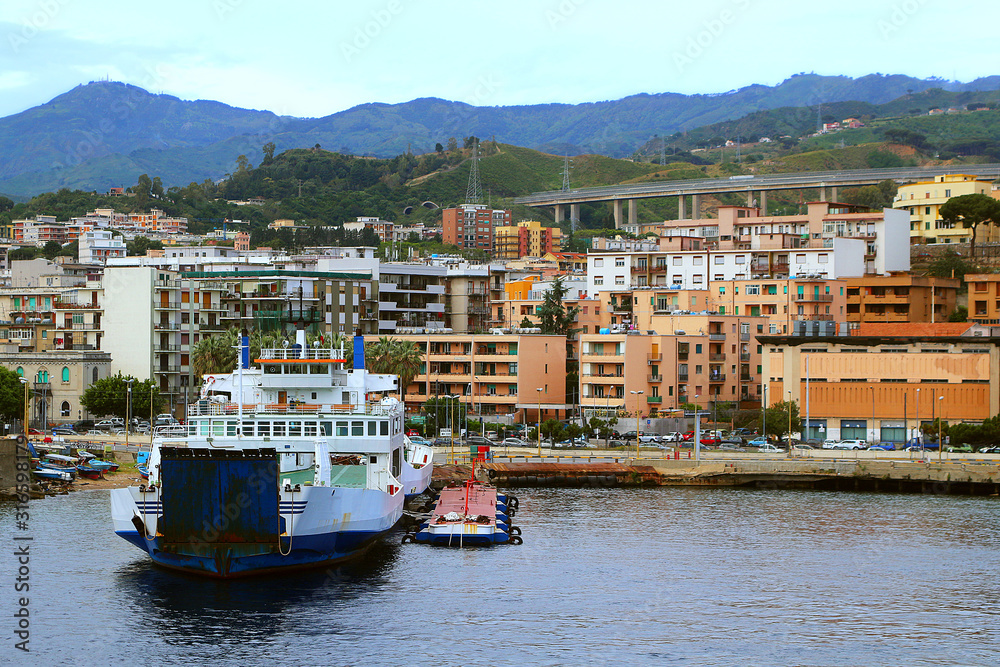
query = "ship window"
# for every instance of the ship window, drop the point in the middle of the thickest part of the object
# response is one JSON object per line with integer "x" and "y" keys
{"x": 218, "y": 428}
{"x": 384, "y": 427}
{"x": 278, "y": 429}
{"x": 317, "y": 369}
{"x": 295, "y": 428}
{"x": 248, "y": 428}
{"x": 231, "y": 428}
{"x": 341, "y": 428}
{"x": 357, "y": 428}
{"x": 373, "y": 459}
{"x": 310, "y": 428}
{"x": 372, "y": 427}
{"x": 264, "y": 429}
{"x": 327, "y": 428}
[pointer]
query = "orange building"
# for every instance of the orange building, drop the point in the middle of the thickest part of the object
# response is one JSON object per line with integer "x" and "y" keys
{"x": 884, "y": 381}
{"x": 526, "y": 239}
{"x": 471, "y": 226}
{"x": 901, "y": 297}
{"x": 984, "y": 297}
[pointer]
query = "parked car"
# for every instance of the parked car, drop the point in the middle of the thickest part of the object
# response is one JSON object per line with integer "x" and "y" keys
{"x": 643, "y": 436}
{"x": 676, "y": 436}
{"x": 616, "y": 443}
{"x": 958, "y": 449}
{"x": 477, "y": 440}
{"x": 710, "y": 440}
{"x": 419, "y": 440}
{"x": 83, "y": 425}
{"x": 773, "y": 449}
{"x": 801, "y": 447}
{"x": 107, "y": 425}
{"x": 735, "y": 439}
{"x": 831, "y": 444}
{"x": 883, "y": 446}
{"x": 63, "y": 430}
{"x": 410, "y": 432}
{"x": 990, "y": 449}
{"x": 166, "y": 419}
{"x": 730, "y": 447}
{"x": 515, "y": 442}
{"x": 758, "y": 442}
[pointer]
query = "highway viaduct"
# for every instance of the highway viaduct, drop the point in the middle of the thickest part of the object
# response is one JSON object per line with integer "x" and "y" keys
{"x": 619, "y": 194}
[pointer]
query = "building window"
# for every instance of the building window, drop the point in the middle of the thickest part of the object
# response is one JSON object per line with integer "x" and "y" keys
{"x": 598, "y": 280}
{"x": 64, "y": 409}
{"x": 65, "y": 374}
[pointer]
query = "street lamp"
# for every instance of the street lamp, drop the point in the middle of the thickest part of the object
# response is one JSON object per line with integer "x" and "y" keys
{"x": 539, "y": 390}
{"x": 916, "y": 416}
{"x": 789, "y": 406}
{"x": 637, "y": 394}
{"x": 128, "y": 411}
{"x": 940, "y": 419}
{"x": 763, "y": 420}
{"x": 451, "y": 424}
{"x": 482, "y": 422}
{"x": 24, "y": 381}
{"x": 874, "y": 441}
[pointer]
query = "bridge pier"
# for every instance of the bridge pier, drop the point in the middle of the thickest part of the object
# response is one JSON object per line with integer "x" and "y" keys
{"x": 618, "y": 213}
{"x": 834, "y": 193}
{"x": 763, "y": 202}
{"x": 558, "y": 213}
{"x": 749, "y": 197}
{"x": 574, "y": 215}
{"x": 682, "y": 207}
{"x": 822, "y": 193}
{"x": 695, "y": 206}
{"x": 633, "y": 212}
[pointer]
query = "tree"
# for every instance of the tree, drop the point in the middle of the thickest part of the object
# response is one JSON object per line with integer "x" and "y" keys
{"x": 444, "y": 412}
{"x": 554, "y": 317}
{"x": 142, "y": 190}
{"x": 960, "y": 314}
{"x": 6, "y": 203}
{"x": 777, "y": 418}
{"x": 51, "y": 249}
{"x": 971, "y": 211}
{"x": 11, "y": 395}
{"x": 140, "y": 244}
{"x": 109, "y": 397}
{"x": 438, "y": 148}
{"x": 268, "y": 150}
{"x": 452, "y": 144}
{"x": 398, "y": 357}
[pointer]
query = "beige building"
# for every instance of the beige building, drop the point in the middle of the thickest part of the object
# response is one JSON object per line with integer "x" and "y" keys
{"x": 923, "y": 201}
{"x": 984, "y": 297}
{"x": 884, "y": 380}
{"x": 57, "y": 380}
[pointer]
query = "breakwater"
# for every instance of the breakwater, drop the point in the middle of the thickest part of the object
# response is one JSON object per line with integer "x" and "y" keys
{"x": 979, "y": 477}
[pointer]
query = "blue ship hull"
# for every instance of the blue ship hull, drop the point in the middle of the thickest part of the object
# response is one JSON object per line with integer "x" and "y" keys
{"x": 226, "y": 561}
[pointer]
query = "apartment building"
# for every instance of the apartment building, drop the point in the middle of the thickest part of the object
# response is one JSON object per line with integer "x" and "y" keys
{"x": 526, "y": 239}
{"x": 901, "y": 297}
{"x": 885, "y": 380}
{"x": 700, "y": 359}
{"x": 467, "y": 298}
{"x": 506, "y": 375}
{"x": 984, "y": 297}
{"x": 383, "y": 228}
{"x": 97, "y": 246}
{"x": 923, "y": 201}
{"x": 471, "y": 226}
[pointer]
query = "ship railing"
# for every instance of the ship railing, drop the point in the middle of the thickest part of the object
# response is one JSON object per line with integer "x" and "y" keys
{"x": 211, "y": 408}
{"x": 303, "y": 354}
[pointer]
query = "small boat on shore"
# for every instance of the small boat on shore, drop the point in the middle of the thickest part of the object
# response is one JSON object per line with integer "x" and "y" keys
{"x": 87, "y": 472}
{"x": 59, "y": 463}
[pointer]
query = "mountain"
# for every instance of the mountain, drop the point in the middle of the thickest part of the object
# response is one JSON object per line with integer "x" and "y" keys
{"x": 104, "y": 134}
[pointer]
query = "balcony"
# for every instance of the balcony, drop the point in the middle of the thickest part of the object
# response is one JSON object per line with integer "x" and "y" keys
{"x": 682, "y": 377}
{"x": 826, "y": 298}
{"x": 654, "y": 357}
{"x": 744, "y": 356}
{"x": 717, "y": 336}
{"x": 718, "y": 356}
{"x": 72, "y": 305}
{"x": 654, "y": 378}
{"x": 78, "y": 326}
{"x": 746, "y": 378}
{"x": 167, "y": 348}
{"x": 654, "y": 399}
{"x": 716, "y": 377}
{"x": 167, "y": 305}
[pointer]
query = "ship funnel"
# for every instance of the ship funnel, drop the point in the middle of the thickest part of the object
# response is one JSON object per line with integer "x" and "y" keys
{"x": 359, "y": 351}
{"x": 244, "y": 350}
{"x": 300, "y": 343}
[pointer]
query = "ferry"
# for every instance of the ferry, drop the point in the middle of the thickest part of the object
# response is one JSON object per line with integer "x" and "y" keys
{"x": 292, "y": 463}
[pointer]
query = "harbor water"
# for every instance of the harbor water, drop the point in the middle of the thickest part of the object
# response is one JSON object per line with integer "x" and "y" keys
{"x": 605, "y": 576}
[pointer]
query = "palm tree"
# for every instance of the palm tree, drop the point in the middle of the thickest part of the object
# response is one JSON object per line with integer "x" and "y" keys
{"x": 388, "y": 355}
{"x": 216, "y": 354}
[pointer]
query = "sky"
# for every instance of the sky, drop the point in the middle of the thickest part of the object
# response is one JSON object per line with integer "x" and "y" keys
{"x": 304, "y": 58}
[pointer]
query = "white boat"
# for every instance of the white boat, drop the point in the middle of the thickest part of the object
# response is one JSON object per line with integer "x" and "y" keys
{"x": 418, "y": 464}
{"x": 290, "y": 464}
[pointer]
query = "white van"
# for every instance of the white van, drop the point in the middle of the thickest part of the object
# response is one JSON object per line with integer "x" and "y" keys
{"x": 853, "y": 444}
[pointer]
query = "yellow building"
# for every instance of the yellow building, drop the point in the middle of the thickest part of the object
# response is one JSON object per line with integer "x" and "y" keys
{"x": 924, "y": 200}
{"x": 525, "y": 239}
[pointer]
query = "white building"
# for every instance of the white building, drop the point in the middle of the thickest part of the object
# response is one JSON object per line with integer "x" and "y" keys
{"x": 97, "y": 246}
